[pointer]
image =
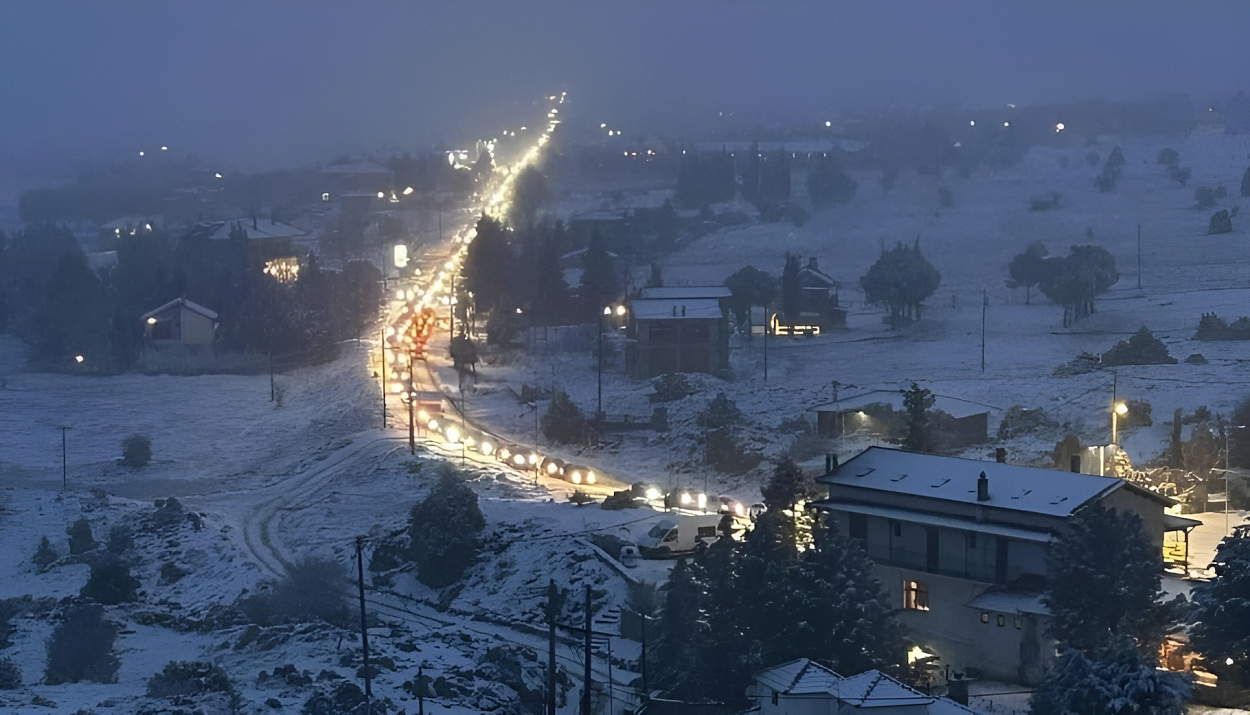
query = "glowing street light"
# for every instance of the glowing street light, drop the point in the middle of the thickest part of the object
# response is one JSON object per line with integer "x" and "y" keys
{"x": 1118, "y": 410}
{"x": 78, "y": 358}
{"x": 1059, "y": 127}
{"x": 408, "y": 191}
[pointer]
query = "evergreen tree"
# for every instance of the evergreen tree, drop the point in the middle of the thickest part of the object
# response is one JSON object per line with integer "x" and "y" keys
{"x": 80, "y": 538}
{"x": 601, "y": 284}
{"x": 1104, "y": 577}
{"x": 1028, "y": 269}
{"x": 563, "y": 422}
{"x": 444, "y": 530}
{"x": 787, "y": 486}
{"x": 655, "y": 280}
{"x": 749, "y": 287}
{"x": 1143, "y": 348}
{"x": 110, "y": 583}
{"x": 901, "y": 280}
{"x": 791, "y": 290}
{"x": 1115, "y": 681}
{"x": 676, "y": 654}
{"x": 529, "y": 194}
{"x": 45, "y": 555}
{"x": 488, "y": 264}
{"x": 917, "y": 401}
{"x": 1245, "y": 183}
{"x": 1220, "y": 613}
{"x": 1077, "y": 279}
{"x": 81, "y": 648}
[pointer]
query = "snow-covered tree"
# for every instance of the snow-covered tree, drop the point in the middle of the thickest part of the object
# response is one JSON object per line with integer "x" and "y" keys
{"x": 1220, "y": 613}
{"x": 563, "y": 422}
{"x": 917, "y": 401}
{"x": 444, "y": 530}
{"x": 901, "y": 280}
{"x": 1028, "y": 269}
{"x": 787, "y": 486}
{"x": 1115, "y": 681}
{"x": 1105, "y": 583}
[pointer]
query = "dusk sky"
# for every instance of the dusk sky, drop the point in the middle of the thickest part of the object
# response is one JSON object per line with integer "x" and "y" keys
{"x": 258, "y": 85}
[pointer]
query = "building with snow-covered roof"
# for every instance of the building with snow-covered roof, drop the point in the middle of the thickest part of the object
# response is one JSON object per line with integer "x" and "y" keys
{"x": 960, "y": 547}
{"x": 677, "y": 334}
{"x": 803, "y": 687}
{"x": 180, "y": 322}
{"x": 881, "y": 413}
{"x": 685, "y": 292}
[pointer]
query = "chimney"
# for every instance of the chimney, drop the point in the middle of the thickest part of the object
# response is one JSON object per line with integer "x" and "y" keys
{"x": 811, "y": 263}
{"x": 253, "y": 223}
{"x": 1000, "y": 455}
{"x": 831, "y": 462}
{"x": 957, "y": 689}
{"x": 674, "y": 311}
{"x": 983, "y": 488}
{"x": 683, "y": 311}
{"x": 1074, "y": 464}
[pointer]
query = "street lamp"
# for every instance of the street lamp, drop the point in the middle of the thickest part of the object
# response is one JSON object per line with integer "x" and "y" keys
{"x": 1118, "y": 410}
{"x": 1228, "y": 433}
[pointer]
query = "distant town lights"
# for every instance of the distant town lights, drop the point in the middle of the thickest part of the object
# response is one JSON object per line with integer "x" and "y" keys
{"x": 972, "y": 123}
{"x": 828, "y": 123}
{"x": 1059, "y": 127}
{"x": 1006, "y": 124}
{"x": 164, "y": 148}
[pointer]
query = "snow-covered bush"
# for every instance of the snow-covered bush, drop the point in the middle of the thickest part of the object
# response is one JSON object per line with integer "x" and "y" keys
{"x": 1221, "y": 222}
{"x": 188, "y": 678}
{"x": 136, "y": 451}
{"x": 110, "y": 582}
{"x": 444, "y": 529}
{"x": 10, "y": 675}
{"x": 720, "y": 412}
{"x": 670, "y": 387}
{"x": 726, "y": 454}
{"x": 45, "y": 555}
{"x": 563, "y": 421}
{"x": 80, "y": 539}
{"x": 1141, "y": 349}
{"x": 1169, "y": 157}
{"x": 1213, "y": 327}
{"x": 312, "y": 590}
{"x": 120, "y": 540}
{"x": 81, "y": 648}
{"x": 1020, "y": 421}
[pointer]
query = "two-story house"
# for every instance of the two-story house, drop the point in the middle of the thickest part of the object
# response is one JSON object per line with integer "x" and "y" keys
{"x": 960, "y": 546}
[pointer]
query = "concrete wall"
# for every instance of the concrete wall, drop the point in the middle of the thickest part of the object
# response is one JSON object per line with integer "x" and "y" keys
{"x": 196, "y": 329}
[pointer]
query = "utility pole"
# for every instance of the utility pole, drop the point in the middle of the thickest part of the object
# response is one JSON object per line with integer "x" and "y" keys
{"x": 271, "y": 388}
{"x": 599, "y": 407}
{"x": 412, "y": 427}
{"x": 554, "y": 601}
{"x": 767, "y": 324}
{"x": 420, "y": 690}
{"x": 985, "y": 301}
{"x": 1139, "y": 255}
{"x": 364, "y": 628}
{"x": 64, "y": 463}
{"x": 382, "y": 372}
{"x": 587, "y": 675}
{"x": 451, "y": 304}
{"x": 642, "y": 663}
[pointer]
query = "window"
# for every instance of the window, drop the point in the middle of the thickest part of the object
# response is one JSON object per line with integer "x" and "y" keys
{"x": 1002, "y": 620}
{"x": 985, "y": 617}
{"x": 859, "y": 526}
{"x": 706, "y": 532}
{"x": 915, "y": 596}
{"x": 897, "y": 528}
{"x": 1017, "y": 623}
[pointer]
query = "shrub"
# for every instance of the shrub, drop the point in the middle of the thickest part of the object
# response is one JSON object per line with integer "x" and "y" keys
{"x": 1204, "y": 197}
{"x": 184, "y": 678}
{"x": 81, "y": 648}
{"x": 1141, "y": 349}
{"x": 563, "y": 421}
{"x": 10, "y": 675}
{"x": 1020, "y": 421}
{"x": 120, "y": 540}
{"x": 720, "y": 412}
{"x": 110, "y": 583}
{"x": 1138, "y": 415}
{"x": 1106, "y": 181}
{"x": 724, "y": 453}
{"x": 1181, "y": 175}
{"x": 1221, "y": 222}
{"x": 45, "y": 555}
{"x": 1045, "y": 203}
{"x": 313, "y": 589}
{"x": 1169, "y": 157}
{"x": 444, "y": 529}
{"x": 670, "y": 387}
{"x": 345, "y": 698}
{"x": 80, "y": 539}
{"x": 136, "y": 451}
{"x": 1213, "y": 327}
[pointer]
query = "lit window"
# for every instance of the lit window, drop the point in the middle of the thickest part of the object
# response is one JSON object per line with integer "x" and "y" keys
{"x": 985, "y": 617}
{"x": 1002, "y": 620}
{"x": 915, "y": 596}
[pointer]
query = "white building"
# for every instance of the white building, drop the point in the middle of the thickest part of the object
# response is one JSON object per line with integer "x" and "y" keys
{"x": 802, "y": 687}
{"x": 960, "y": 545}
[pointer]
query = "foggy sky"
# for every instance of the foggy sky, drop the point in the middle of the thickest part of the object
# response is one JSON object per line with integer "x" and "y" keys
{"x": 266, "y": 84}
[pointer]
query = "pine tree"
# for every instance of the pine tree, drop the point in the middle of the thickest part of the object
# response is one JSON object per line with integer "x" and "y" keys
{"x": 45, "y": 555}
{"x": 81, "y": 648}
{"x": 1220, "y": 613}
{"x": 791, "y": 290}
{"x": 444, "y": 531}
{"x": 917, "y": 401}
{"x": 901, "y": 280}
{"x": 1028, "y": 269}
{"x": 488, "y": 264}
{"x": 80, "y": 539}
{"x": 787, "y": 486}
{"x": 1105, "y": 582}
{"x": 1115, "y": 681}
{"x": 675, "y": 655}
{"x": 563, "y": 422}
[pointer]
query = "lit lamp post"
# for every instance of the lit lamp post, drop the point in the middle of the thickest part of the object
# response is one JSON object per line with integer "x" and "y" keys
{"x": 1118, "y": 410}
{"x": 1228, "y": 497}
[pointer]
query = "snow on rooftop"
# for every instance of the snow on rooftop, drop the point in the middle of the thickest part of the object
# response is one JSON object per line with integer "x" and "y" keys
{"x": 189, "y": 305}
{"x": 255, "y": 229}
{"x": 672, "y": 292}
{"x": 954, "y": 406}
{"x": 677, "y": 309}
{"x": 1050, "y": 492}
{"x": 870, "y": 689}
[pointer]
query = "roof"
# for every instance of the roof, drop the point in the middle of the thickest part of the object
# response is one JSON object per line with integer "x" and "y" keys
{"x": 1049, "y": 492}
{"x": 821, "y": 277}
{"x": 255, "y": 229}
{"x": 870, "y": 689}
{"x": 189, "y": 305}
{"x": 929, "y": 519}
{"x": 677, "y": 309}
{"x": 671, "y": 292}
{"x": 1173, "y": 522}
{"x": 954, "y": 406}
{"x": 1007, "y": 602}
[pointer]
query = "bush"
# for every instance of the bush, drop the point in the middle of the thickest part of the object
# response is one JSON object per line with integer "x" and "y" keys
{"x": 185, "y": 678}
{"x": 1141, "y": 349}
{"x": 1169, "y": 157}
{"x": 443, "y": 531}
{"x": 1204, "y": 197}
{"x": 45, "y": 555}
{"x": 10, "y": 675}
{"x": 81, "y": 648}
{"x": 120, "y": 540}
{"x": 1213, "y": 327}
{"x": 1020, "y": 421}
{"x": 1045, "y": 203}
{"x": 1221, "y": 222}
{"x": 1181, "y": 175}
{"x": 563, "y": 422}
{"x": 1139, "y": 414}
{"x": 720, "y": 412}
{"x": 725, "y": 454}
{"x": 580, "y": 498}
{"x": 345, "y": 698}
{"x": 136, "y": 451}
{"x": 670, "y": 387}
{"x": 110, "y": 583}
{"x": 80, "y": 539}
{"x": 313, "y": 589}
{"x": 1106, "y": 181}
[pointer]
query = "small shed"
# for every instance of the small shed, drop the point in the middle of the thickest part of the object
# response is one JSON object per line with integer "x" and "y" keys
{"x": 881, "y": 413}
{"x": 180, "y": 322}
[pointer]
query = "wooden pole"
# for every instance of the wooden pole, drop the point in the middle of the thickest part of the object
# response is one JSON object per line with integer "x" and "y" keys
{"x": 364, "y": 629}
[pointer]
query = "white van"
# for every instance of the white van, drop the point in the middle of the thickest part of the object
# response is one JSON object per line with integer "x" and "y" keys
{"x": 669, "y": 539}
